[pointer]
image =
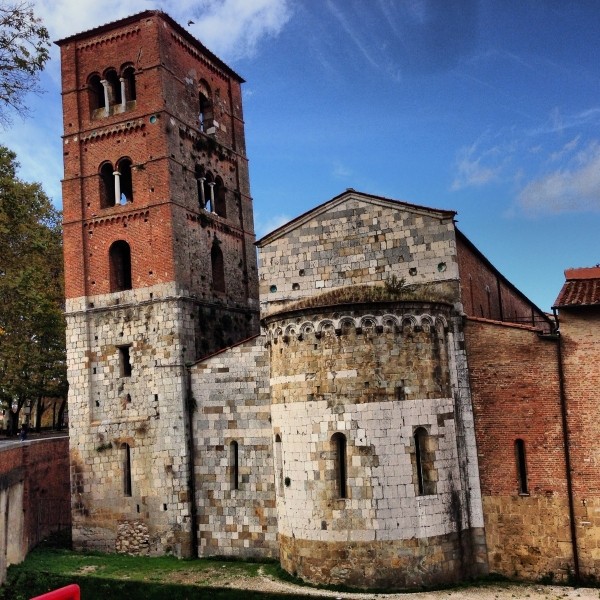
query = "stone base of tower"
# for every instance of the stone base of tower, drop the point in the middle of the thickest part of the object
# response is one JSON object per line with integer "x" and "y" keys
{"x": 389, "y": 564}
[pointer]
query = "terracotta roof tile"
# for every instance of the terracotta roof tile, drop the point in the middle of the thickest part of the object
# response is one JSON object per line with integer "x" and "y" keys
{"x": 581, "y": 288}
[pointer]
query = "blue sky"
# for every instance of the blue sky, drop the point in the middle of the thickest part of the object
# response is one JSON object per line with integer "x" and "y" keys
{"x": 490, "y": 108}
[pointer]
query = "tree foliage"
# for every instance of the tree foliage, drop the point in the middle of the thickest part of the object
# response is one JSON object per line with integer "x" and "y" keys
{"x": 32, "y": 328}
{"x": 24, "y": 50}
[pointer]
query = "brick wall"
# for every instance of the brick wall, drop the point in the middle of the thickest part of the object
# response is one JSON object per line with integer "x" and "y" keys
{"x": 580, "y": 336}
{"x": 515, "y": 391}
{"x": 34, "y": 496}
{"x": 486, "y": 293}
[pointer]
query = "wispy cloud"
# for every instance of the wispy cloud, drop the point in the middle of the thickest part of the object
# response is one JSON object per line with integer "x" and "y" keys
{"x": 265, "y": 224}
{"x": 340, "y": 171}
{"x": 557, "y": 122}
{"x": 575, "y": 188}
{"x": 352, "y": 33}
{"x": 476, "y": 167}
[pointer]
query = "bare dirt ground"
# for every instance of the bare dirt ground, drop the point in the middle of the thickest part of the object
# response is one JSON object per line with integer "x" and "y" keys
{"x": 484, "y": 592}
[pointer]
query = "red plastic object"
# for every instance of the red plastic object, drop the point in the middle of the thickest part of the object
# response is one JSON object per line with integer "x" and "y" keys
{"x": 69, "y": 592}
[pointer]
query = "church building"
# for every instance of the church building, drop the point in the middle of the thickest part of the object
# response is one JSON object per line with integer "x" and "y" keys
{"x": 372, "y": 403}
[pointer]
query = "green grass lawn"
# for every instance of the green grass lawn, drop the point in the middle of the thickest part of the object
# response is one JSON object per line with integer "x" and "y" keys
{"x": 102, "y": 576}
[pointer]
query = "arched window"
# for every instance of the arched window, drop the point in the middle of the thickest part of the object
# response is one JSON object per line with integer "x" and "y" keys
{"x": 107, "y": 185}
{"x": 234, "y": 465}
{"x": 126, "y": 469}
{"x": 95, "y": 92}
{"x": 218, "y": 268}
{"x": 521, "y": 467}
{"x": 129, "y": 83}
{"x": 120, "y": 266}
{"x": 114, "y": 87}
{"x": 339, "y": 449}
{"x": 426, "y": 474}
{"x": 125, "y": 181}
{"x": 220, "y": 206}
{"x": 205, "y": 113}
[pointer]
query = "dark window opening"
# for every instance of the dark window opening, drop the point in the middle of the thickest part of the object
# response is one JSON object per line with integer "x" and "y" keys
{"x": 218, "y": 268}
{"x": 114, "y": 87}
{"x": 279, "y": 463}
{"x": 220, "y": 205}
{"x": 126, "y": 470}
{"x": 125, "y": 181}
{"x": 129, "y": 78}
{"x": 120, "y": 266}
{"x": 521, "y": 467}
{"x": 234, "y": 464}
{"x": 95, "y": 93}
{"x": 125, "y": 361}
{"x": 339, "y": 443}
{"x": 209, "y": 192}
{"x": 426, "y": 474}
{"x": 200, "y": 179}
{"x": 205, "y": 112}
{"x": 107, "y": 186}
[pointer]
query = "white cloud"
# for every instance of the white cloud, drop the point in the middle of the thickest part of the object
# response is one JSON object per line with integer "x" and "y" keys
{"x": 575, "y": 188}
{"x": 567, "y": 149}
{"x": 230, "y": 28}
{"x": 340, "y": 171}
{"x": 475, "y": 168}
{"x": 233, "y": 28}
{"x": 264, "y": 225}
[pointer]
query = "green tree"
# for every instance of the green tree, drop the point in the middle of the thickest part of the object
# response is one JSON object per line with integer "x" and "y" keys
{"x": 24, "y": 50}
{"x": 32, "y": 328}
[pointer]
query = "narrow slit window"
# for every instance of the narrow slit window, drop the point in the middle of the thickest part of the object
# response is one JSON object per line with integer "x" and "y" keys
{"x": 125, "y": 361}
{"x": 424, "y": 463}
{"x": 234, "y": 463}
{"x": 218, "y": 268}
{"x": 279, "y": 464}
{"x": 521, "y": 467}
{"x": 126, "y": 470}
{"x": 339, "y": 449}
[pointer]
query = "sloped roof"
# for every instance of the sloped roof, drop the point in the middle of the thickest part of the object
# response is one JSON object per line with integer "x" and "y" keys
{"x": 581, "y": 288}
{"x": 350, "y": 194}
{"x": 144, "y": 15}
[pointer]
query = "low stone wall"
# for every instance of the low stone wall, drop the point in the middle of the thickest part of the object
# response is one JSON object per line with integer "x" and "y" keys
{"x": 34, "y": 495}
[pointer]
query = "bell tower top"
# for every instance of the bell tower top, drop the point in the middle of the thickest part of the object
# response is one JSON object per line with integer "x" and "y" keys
{"x": 156, "y": 188}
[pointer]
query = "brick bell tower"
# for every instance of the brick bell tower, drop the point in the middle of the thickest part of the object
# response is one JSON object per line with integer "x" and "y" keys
{"x": 160, "y": 268}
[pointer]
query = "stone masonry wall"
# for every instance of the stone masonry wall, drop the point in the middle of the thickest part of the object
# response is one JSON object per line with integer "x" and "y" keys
{"x": 374, "y": 374}
{"x": 231, "y": 391}
{"x": 356, "y": 240}
{"x": 110, "y": 410}
{"x": 516, "y": 395}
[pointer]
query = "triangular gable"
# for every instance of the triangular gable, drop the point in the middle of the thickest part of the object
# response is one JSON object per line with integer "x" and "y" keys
{"x": 346, "y": 196}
